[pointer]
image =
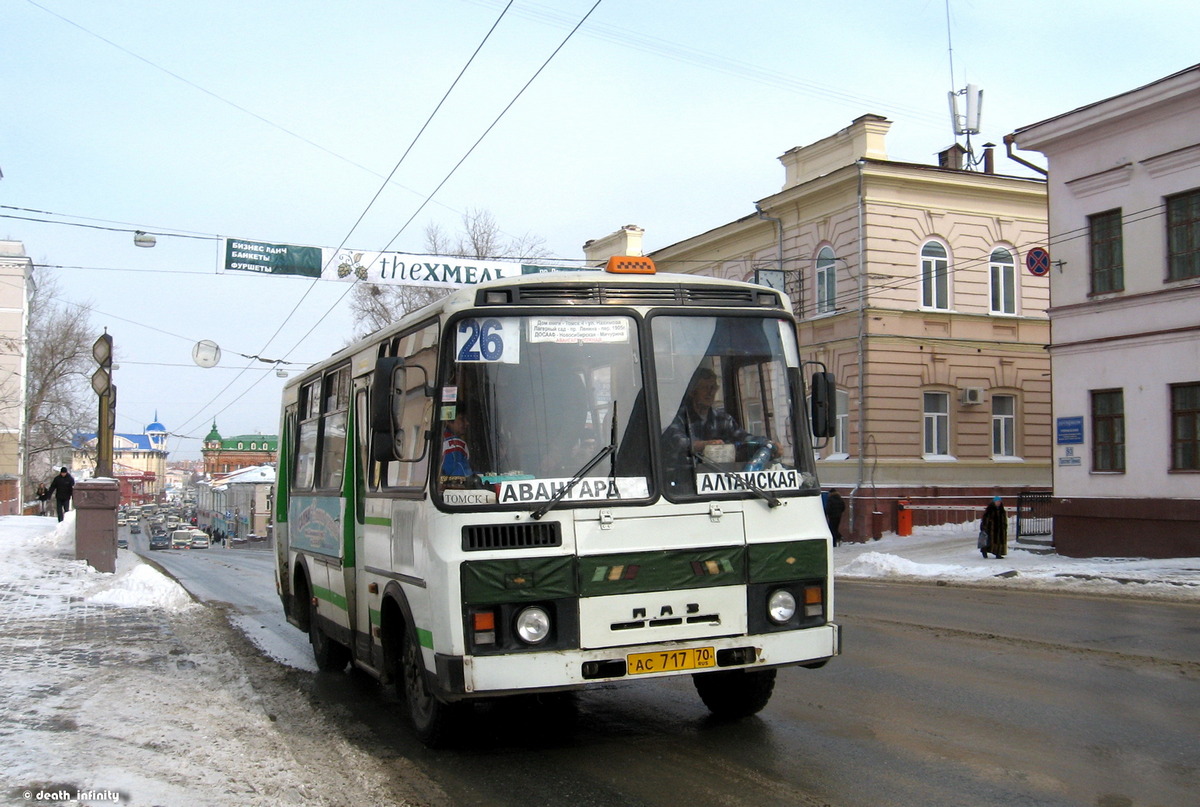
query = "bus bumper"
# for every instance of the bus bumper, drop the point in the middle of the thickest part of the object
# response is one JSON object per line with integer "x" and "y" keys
{"x": 479, "y": 676}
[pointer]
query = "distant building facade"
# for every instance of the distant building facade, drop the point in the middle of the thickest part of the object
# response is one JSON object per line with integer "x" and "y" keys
{"x": 139, "y": 461}
{"x": 1125, "y": 287}
{"x": 237, "y": 506}
{"x": 15, "y": 288}
{"x": 908, "y": 284}
{"x": 224, "y": 455}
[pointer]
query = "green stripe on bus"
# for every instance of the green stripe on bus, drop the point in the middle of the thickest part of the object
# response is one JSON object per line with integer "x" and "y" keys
{"x": 331, "y": 597}
{"x": 378, "y": 521}
{"x": 487, "y": 582}
{"x": 661, "y": 570}
{"x": 425, "y": 637}
{"x": 789, "y": 560}
{"x": 373, "y": 615}
{"x": 351, "y": 488}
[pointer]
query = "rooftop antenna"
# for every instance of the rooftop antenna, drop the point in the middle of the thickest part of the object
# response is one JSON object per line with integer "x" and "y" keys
{"x": 965, "y": 122}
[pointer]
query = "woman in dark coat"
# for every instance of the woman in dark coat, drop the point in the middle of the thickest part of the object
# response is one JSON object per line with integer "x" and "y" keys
{"x": 995, "y": 525}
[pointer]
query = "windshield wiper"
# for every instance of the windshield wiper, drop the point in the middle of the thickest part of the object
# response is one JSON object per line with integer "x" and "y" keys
{"x": 771, "y": 499}
{"x": 558, "y": 497}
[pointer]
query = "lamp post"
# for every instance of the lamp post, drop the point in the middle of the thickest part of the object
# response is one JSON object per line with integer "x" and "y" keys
{"x": 102, "y": 352}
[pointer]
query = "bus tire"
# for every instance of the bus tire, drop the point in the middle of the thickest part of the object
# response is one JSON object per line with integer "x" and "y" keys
{"x": 433, "y": 720}
{"x": 733, "y": 694}
{"x": 331, "y": 656}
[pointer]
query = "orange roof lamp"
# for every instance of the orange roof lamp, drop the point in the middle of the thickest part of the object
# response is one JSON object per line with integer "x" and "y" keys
{"x": 630, "y": 265}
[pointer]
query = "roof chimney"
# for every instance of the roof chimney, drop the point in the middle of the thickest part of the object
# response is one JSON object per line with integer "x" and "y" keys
{"x": 952, "y": 157}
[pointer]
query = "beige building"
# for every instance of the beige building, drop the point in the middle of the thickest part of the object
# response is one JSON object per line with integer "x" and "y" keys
{"x": 139, "y": 461}
{"x": 909, "y": 284}
{"x": 1125, "y": 192}
{"x": 15, "y": 285}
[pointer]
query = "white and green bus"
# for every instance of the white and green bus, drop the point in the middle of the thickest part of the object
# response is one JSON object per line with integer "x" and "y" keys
{"x": 559, "y": 480}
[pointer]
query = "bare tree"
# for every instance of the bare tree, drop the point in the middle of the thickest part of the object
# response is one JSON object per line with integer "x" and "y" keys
{"x": 57, "y": 391}
{"x": 376, "y": 305}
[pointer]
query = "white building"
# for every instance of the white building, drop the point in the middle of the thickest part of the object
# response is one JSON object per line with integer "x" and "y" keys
{"x": 237, "y": 505}
{"x": 1125, "y": 319}
{"x": 15, "y": 280}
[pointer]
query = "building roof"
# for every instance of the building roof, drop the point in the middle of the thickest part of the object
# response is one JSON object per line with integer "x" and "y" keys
{"x": 1034, "y": 134}
{"x": 121, "y": 442}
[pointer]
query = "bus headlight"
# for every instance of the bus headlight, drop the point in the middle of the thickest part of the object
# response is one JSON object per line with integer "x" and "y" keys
{"x": 781, "y": 606}
{"x": 533, "y": 625}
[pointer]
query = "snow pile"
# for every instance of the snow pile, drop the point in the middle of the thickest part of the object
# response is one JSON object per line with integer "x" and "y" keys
{"x": 881, "y": 564}
{"x": 137, "y": 585}
{"x": 949, "y": 554}
{"x": 37, "y": 557}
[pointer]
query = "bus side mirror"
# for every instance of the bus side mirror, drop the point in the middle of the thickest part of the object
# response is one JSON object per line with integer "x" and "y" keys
{"x": 824, "y": 410}
{"x": 389, "y": 399}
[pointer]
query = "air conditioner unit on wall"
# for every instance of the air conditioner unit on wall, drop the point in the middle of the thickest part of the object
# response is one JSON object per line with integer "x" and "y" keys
{"x": 972, "y": 396}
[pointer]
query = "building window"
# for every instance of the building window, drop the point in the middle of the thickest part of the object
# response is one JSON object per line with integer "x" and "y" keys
{"x": 826, "y": 281}
{"x": 1003, "y": 271}
{"x": 935, "y": 276}
{"x": 1108, "y": 430}
{"x": 841, "y": 441}
{"x": 1183, "y": 236}
{"x": 1004, "y": 426}
{"x": 1107, "y": 261}
{"x": 1185, "y": 427}
{"x": 937, "y": 424}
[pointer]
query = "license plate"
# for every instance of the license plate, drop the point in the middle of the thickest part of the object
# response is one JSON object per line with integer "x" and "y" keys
{"x": 693, "y": 658}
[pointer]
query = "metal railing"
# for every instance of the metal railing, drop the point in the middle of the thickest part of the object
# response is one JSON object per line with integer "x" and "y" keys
{"x": 1033, "y": 514}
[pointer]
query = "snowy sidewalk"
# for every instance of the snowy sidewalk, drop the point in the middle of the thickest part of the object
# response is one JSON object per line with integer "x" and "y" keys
{"x": 118, "y": 688}
{"x": 948, "y": 554}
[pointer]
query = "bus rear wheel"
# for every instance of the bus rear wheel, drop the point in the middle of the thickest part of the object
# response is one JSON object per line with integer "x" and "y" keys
{"x": 732, "y": 694}
{"x": 434, "y": 721}
{"x": 331, "y": 656}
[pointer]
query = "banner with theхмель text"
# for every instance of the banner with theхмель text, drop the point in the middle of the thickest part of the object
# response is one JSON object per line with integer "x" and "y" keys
{"x": 402, "y": 268}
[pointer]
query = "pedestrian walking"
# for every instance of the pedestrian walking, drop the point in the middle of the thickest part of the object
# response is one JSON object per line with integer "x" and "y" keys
{"x": 43, "y": 496}
{"x": 63, "y": 488}
{"x": 993, "y": 529}
{"x": 835, "y": 506}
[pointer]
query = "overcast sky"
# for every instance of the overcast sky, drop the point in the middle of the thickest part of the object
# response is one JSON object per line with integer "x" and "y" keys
{"x": 278, "y": 121}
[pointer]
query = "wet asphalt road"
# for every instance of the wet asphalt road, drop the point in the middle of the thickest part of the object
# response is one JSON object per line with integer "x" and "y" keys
{"x": 943, "y": 696}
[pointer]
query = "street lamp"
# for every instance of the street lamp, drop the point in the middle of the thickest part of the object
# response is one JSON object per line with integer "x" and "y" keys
{"x": 102, "y": 352}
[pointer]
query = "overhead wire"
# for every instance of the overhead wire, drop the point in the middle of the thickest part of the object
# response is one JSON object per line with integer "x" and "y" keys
{"x": 358, "y": 221}
{"x": 458, "y": 164}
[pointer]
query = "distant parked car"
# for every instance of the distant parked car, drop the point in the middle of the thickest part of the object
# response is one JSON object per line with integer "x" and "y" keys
{"x": 160, "y": 541}
{"x": 122, "y": 542}
{"x": 135, "y": 528}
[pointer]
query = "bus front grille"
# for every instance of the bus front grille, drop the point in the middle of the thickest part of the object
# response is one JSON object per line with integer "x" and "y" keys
{"x": 511, "y": 536}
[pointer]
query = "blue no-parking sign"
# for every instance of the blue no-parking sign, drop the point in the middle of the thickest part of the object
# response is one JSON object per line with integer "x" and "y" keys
{"x": 1037, "y": 260}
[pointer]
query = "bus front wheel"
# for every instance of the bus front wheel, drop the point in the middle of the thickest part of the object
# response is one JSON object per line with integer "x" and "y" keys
{"x": 432, "y": 719}
{"x": 732, "y": 694}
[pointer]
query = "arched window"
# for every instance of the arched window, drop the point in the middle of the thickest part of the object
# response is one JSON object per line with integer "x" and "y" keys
{"x": 826, "y": 281}
{"x": 1003, "y": 272}
{"x": 935, "y": 276}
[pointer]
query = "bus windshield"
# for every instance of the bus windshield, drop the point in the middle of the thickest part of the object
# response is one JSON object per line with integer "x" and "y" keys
{"x": 728, "y": 415}
{"x": 528, "y": 402}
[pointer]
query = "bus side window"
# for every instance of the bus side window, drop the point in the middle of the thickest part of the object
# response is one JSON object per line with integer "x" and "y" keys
{"x": 404, "y": 460}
